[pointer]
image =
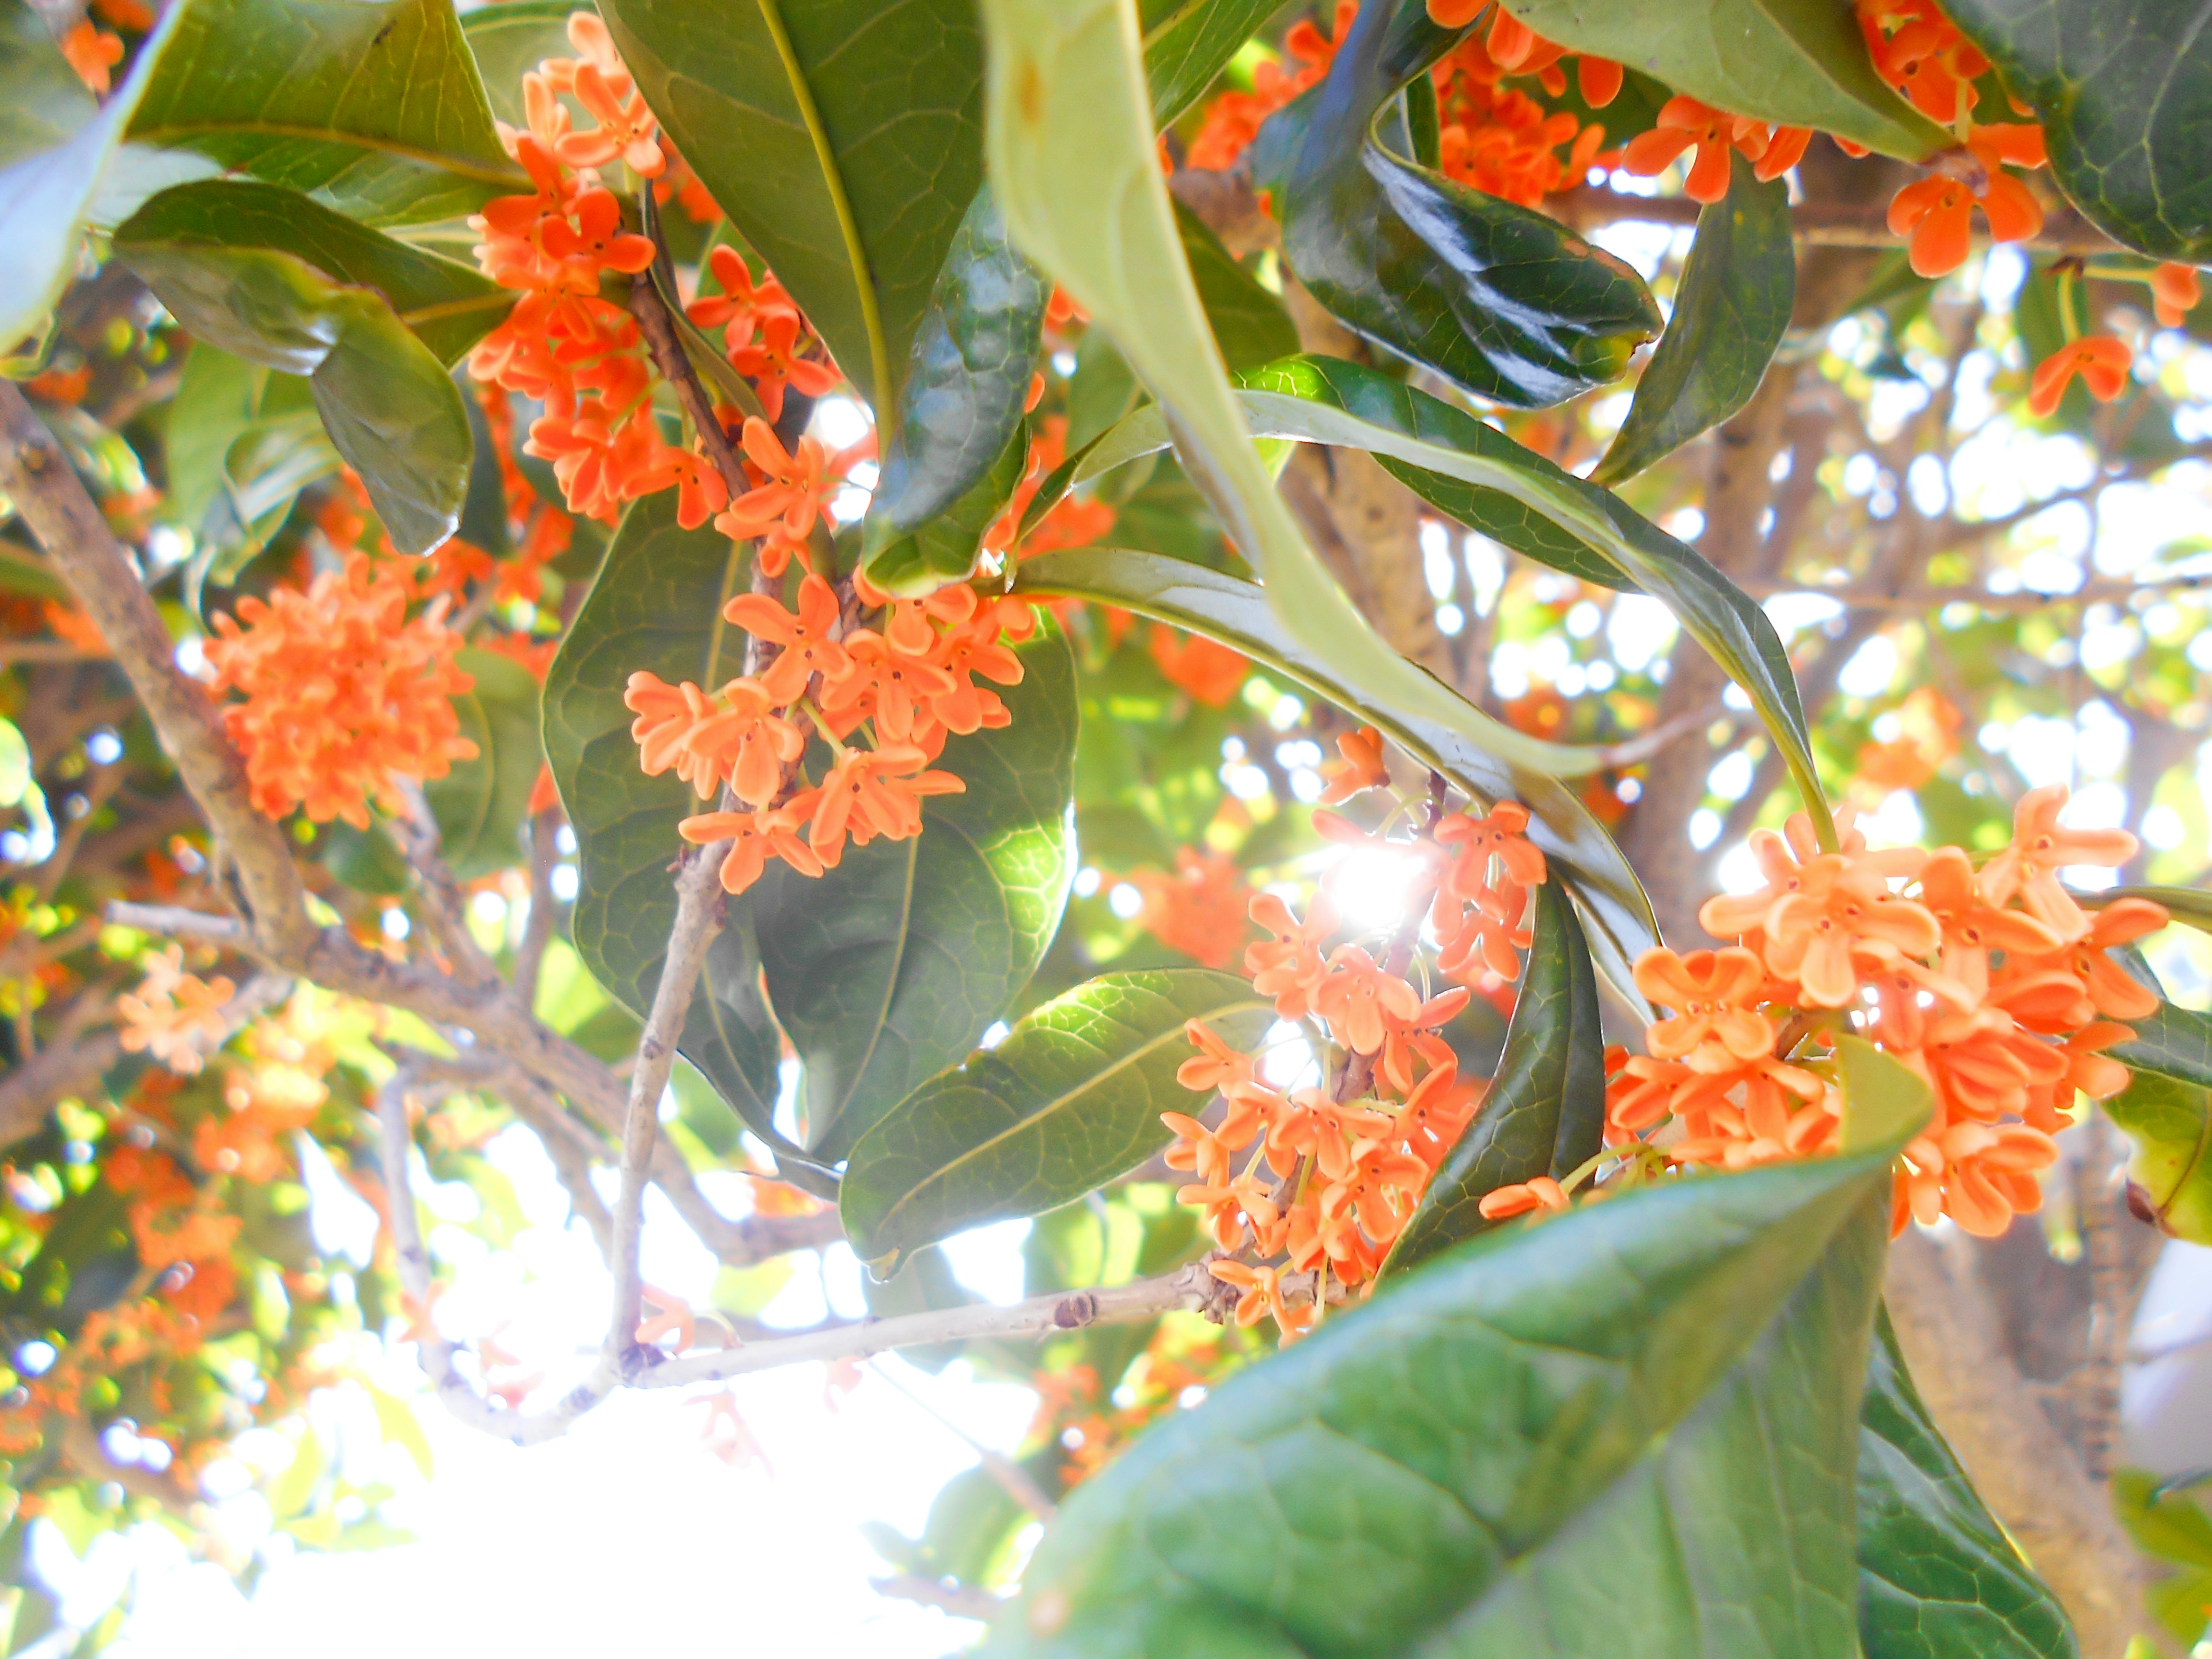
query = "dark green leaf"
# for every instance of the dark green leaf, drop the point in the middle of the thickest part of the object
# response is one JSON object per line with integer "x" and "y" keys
{"x": 843, "y": 139}
{"x": 1237, "y": 613}
{"x": 1938, "y": 1578}
{"x": 1249, "y": 323}
{"x": 1627, "y": 1431}
{"x": 890, "y": 967}
{"x": 1501, "y": 300}
{"x": 961, "y": 402}
{"x": 1191, "y": 42}
{"x": 943, "y": 549}
{"x": 373, "y": 106}
{"x": 2166, "y": 1111}
{"x": 2124, "y": 95}
{"x": 384, "y": 397}
{"x": 243, "y": 442}
{"x": 1544, "y": 1113}
{"x": 481, "y": 803}
{"x": 1797, "y": 63}
{"x": 1731, "y": 308}
{"x": 1440, "y": 452}
{"x": 448, "y": 305}
{"x": 56, "y": 146}
{"x": 1072, "y": 1098}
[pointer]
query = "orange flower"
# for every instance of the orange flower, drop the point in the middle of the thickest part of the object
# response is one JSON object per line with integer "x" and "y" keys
{"x": 753, "y": 838}
{"x": 2113, "y": 992}
{"x": 1217, "y": 1067}
{"x": 175, "y": 1016}
{"x": 1502, "y": 836}
{"x": 809, "y": 647}
{"x": 1484, "y": 937}
{"x": 2174, "y": 293}
{"x": 343, "y": 694}
{"x": 1199, "y": 910}
{"x": 1362, "y": 767}
{"x": 1972, "y": 928}
{"x": 778, "y": 359}
{"x": 1361, "y": 1000}
{"x": 1935, "y": 214}
{"x": 2102, "y": 361}
{"x": 1717, "y": 993}
{"x": 874, "y": 793}
{"x": 1210, "y": 671}
{"x": 1979, "y": 1175}
{"x": 1289, "y": 966}
{"x": 2040, "y": 847}
{"x": 1503, "y": 1203}
{"x": 93, "y": 53}
{"x": 791, "y": 499}
{"x": 1811, "y": 936}
{"x": 1919, "y": 51}
{"x": 1686, "y": 123}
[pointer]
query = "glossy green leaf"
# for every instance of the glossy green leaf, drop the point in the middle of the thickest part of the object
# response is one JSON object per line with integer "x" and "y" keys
{"x": 2166, "y": 1111}
{"x": 1798, "y": 62}
{"x": 890, "y": 967}
{"x": 1731, "y": 308}
{"x": 1250, "y": 324}
{"x": 57, "y": 146}
{"x": 1631, "y": 1429}
{"x": 243, "y": 442}
{"x": 1067, "y": 131}
{"x": 1070, "y": 1099}
{"x": 1543, "y": 1112}
{"x": 962, "y": 398}
{"x": 1237, "y": 613}
{"x": 481, "y": 803}
{"x": 374, "y": 106}
{"x": 1189, "y": 42}
{"x": 2124, "y": 94}
{"x": 1464, "y": 467}
{"x": 1500, "y": 299}
{"x": 942, "y": 548}
{"x": 1938, "y": 1578}
{"x": 384, "y": 397}
{"x": 842, "y": 138}
{"x": 447, "y": 306}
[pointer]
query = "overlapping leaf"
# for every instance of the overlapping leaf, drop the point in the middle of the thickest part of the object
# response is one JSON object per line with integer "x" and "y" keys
{"x": 2166, "y": 1111}
{"x": 1476, "y": 473}
{"x": 1237, "y": 613}
{"x": 1501, "y": 300}
{"x": 384, "y": 395}
{"x": 962, "y": 398}
{"x": 1619, "y": 1432}
{"x": 1797, "y": 63}
{"x": 1543, "y": 1112}
{"x": 842, "y": 138}
{"x": 510, "y": 39}
{"x": 1188, "y": 42}
{"x": 2124, "y": 95}
{"x": 1938, "y": 1578}
{"x": 1070, "y": 1099}
{"x": 1250, "y": 324}
{"x": 1731, "y": 308}
{"x": 480, "y": 804}
{"x": 374, "y": 106}
{"x": 243, "y": 441}
{"x": 57, "y": 146}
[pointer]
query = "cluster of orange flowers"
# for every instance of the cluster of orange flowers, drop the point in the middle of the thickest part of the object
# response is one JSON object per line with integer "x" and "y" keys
{"x": 1496, "y": 139}
{"x": 1321, "y": 1180}
{"x": 1993, "y": 985}
{"x": 174, "y": 1016}
{"x": 1091, "y": 1424}
{"x": 1199, "y": 910}
{"x": 763, "y": 336}
{"x": 343, "y": 692}
{"x": 1233, "y": 120}
{"x": 904, "y": 689}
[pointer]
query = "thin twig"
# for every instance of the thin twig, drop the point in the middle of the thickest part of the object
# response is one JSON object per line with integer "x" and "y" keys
{"x": 446, "y": 911}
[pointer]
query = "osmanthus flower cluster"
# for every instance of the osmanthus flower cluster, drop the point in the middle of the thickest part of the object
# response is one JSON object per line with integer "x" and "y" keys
{"x": 1233, "y": 120}
{"x": 882, "y": 700}
{"x": 1320, "y": 1179}
{"x": 344, "y": 693}
{"x": 1993, "y": 984}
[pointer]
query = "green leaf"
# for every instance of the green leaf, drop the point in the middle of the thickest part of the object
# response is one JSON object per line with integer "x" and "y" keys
{"x": 243, "y": 442}
{"x": 943, "y": 549}
{"x": 1503, "y": 301}
{"x": 1544, "y": 1113}
{"x": 2166, "y": 1111}
{"x": 57, "y": 146}
{"x": 1797, "y": 63}
{"x": 384, "y": 395}
{"x": 1070, "y": 1099}
{"x": 885, "y": 971}
{"x": 1478, "y": 474}
{"x": 510, "y": 39}
{"x": 1885, "y": 1102}
{"x": 374, "y": 106}
{"x": 842, "y": 138}
{"x": 1730, "y": 310}
{"x": 480, "y": 804}
{"x": 2124, "y": 93}
{"x": 1237, "y": 613}
{"x": 2169, "y": 1525}
{"x": 961, "y": 402}
{"x": 1938, "y": 1578}
{"x": 1250, "y": 324}
{"x": 1190, "y": 43}
{"x": 1629, "y": 1430}
{"x": 447, "y": 306}
{"x": 890, "y": 967}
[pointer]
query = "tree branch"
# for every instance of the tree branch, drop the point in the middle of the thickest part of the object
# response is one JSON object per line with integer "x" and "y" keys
{"x": 1818, "y": 224}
